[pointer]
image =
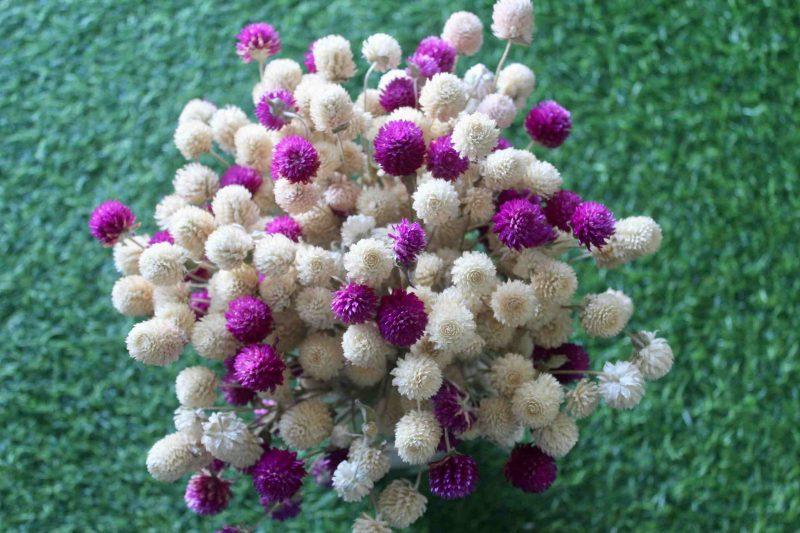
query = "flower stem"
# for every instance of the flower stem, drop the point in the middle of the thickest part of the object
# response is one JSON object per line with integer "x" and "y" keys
{"x": 500, "y": 63}
{"x": 219, "y": 158}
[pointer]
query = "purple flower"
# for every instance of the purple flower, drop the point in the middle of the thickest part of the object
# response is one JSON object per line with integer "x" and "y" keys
{"x": 283, "y": 510}
{"x": 444, "y": 161}
{"x": 502, "y": 144}
{"x": 110, "y": 220}
{"x": 354, "y": 303}
{"x": 514, "y": 194}
{"x": 285, "y": 225}
{"x": 270, "y": 109}
{"x": 207, "y": 495}
{"x": 308, "y": 59}
{"x": 433, "y": 55}
{"x": 258, "y": 367}
{"x": 409, "y": 240}
{"x": 233, "y": 392}
{"x": 560, "y": 207}
{"x": 401, "y": 318}
{"x": 249, "y": 319}
{"x": 160, "y": 236}
{"x": 422, "y": 66}
{"x": 398, "y": 93}
{"x": 530, "y": 469}
{"x": 548, "y": 123}
{"x": 592, "y": 224}
{"x": 295, "y": 159}
{"x": 247, "y": 177}
{"x": 278, "y": 474}
{"x": 452, "y": 409}
{"x": 577, "y": 359}
{"x": 257, "y": 41}
{"x": 199, "y": 302}
{"x": 399, "y": 147}
{"x": 453, "y": 477}
{"x": 520, "y": 224}
{"x": 323, "y": 468}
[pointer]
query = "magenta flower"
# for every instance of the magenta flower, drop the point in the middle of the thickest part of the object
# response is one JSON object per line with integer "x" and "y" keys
{"x": 161, "y": 236}
{"x": 233, "y": 392}
{"x": 110, "y": 220}
{"x": 560, "y": 207}
{"x": 257, "y": 41}
{"x": 285, "y": 225}
{"x": 278, "y": 474}
{"x": 530, "y": 469}
{"x": 249, "y": 319}
{"x": 354, "y": 303}
{"x": 258, "y": 367}
{"x": 398, "y": 93}
{"x": 295, "y": 159}
{"x": 433, "y": 55}
{"x": 592, "y": 224}
{"x": 422, "y": 66}
{"x": 502, "y": 144}
{"x": 444, "y": 161}
{"x": 270, "y": 109}
{"x": 548, "y": 123}
{"x": 577, "y": 359}
{"x": 402, "y": 318}
{"x": 409, "y": 240}
{"x": 520, "y": 224}
{"x": 308, "y": 59}
{"x": 199, "y": 302}
{"x": 399, "y": 147}
{"x": 207, "y": 495}
{"x": 452, "y": 409}
{"x": 453, "y": 477}
{"x": 323, "y": 468}
{"x": 247, "y": 177}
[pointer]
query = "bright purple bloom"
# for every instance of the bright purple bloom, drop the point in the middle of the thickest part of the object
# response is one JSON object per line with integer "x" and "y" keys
{"x": 592, "y": 224}
{"x": 295, "y": 159}
{"x": 422, "y": 66}
{"x": 530, "y": 469}
{"x": 259, "y": 367}
{"x": 398, "y": 93}
{"x": 401, "y": 318}
{"x": 207, "y": 495}
{"x": 444, "y": 161}
{"x": 247, "y": 177}
{"x": 257, "y": 41}
{"x": 110, "y": 220}
{"x": 270, "y": 109}
{"x": 520, "y": 224}
{"x": 308, "y": 59}
{"x": 502, "y": 144}
{"x": 548, "y": 123}
{"x": 560, "y": 207}
{"x": 354, "y": 303}
{"x": 323, "y": 468}
{"x": 278, "y": 474}
{"x": 400, "y": 147}
{"x": 199, "y": 302}
{"x": 161, "y": 236}
{"x": 514, "y": 194}
{"x": 452, "y": 409}
{"x": 285, "y": 225}
{"x": 249, "y": 319}
{"x": 453, "y": 477}
{"x": 409, "y": 240}
{"x": 577, "y": 359}
{"x": 433, "y": 55}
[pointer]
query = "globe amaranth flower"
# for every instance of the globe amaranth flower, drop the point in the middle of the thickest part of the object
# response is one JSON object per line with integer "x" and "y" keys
{"x": 257, "y": 41}
{"x": 234, "y": 393}
{"x": 207, "y": 495}
{"x": 258, "y": 367}
{"x": 514, "y": 194}
{"x": 308, "y": 59}
{"x": 401, "y": 318}
{"x": 111, "y": 219}
{"x": 278, "y": 474}
{"x": 199, "y": 302}
{"x": 560, "y": 207}
{"x": 354, "y": 303}
{"x": 548, "y": 123}
{"x": 295, "y": 159}
{"x": 433, "y": 55}
{"x": 247, "y": 177}
{"x": 398, "y": 93}
{"x": 502, "y": 144}
{"x": 592, "y": 224}
{"x": 285, "y": 225}
{"x": 248, "y": 319}
{"x": 323, "y": 468}
{"x": 161, "y": 236}
{"x": 272, "y": 106}
{"x": 284, "y": 510}
{"x": 520, "y": 224}
{"x": 400, "y": 147}
{"x": 577, "y": 359}
{"x": 444, "y": 161}
{"x": 409, "y": 240}
{"x": 451, "y": 408}
{"x": 530, "y": 469}
{"x": 453, "y": 477}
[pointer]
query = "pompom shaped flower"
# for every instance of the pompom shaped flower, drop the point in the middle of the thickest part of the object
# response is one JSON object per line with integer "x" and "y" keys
{"x": 557, "y": 438}
{"x": 633, "y": 237}
{"x": 195, "y": 386}
{"x": 206, "y": 494}
{"x": 258, "y": 367}
{"x": 592, "y": 224}
{"x": 436, "y": 202}
{"x": 111, "y": 220}
{"x": 294, "y": 159}
{"x": 155, "y": 342}
{"x": 582, "y": 399}
{"x": 401, "y": 504}
{"x": 500, "y": 108}
{"x": 530, "y": 469}
{"x": 516, "y": 81}
{"x": 249, "y": 319}
{"x": 278, "y": 474}
{"x": 536, "y": 402}
{"x": 272, "y": 107}
{"x": 333, "y": 58}
{"x": 369, "y": 261}
{"x": 444, "y": 161}
{"x": 520, "y": 224}
{"x": 443, "y": 97}
{"x": 572, "y": 357}
{"x": 514, "y": 303}
{"x": 190, "y": 226}
{"x": 193, "y": 138}
{"x": 397, "y": 93}
{"x": 560, "y": 207}
{"x": 452, "y": 409}
{"x": 274, "y": 254}
{"x": 133, "y": 296}
{"x": 475, "y": 136}
{"x": 416, "y": 437}
{"x": 454, "y": 477}
{"x": 382, "y": 50}
{"x": 401, "y": 318}
{"x": 173, "y": 456}
{"x": 509, "y": 372}
{"x": 399, "y": 147}
{"x": 417, "y": 377}
{"x": 548, "y": 124}
{"x": 228, "y": 439}
{"x": 229, "y": 246}
{"x": 409, "y": 240}
{"x": 257, "y": 41}
{"x": 351, "y": 482}
{"x": 354, "y": 303}
{"x": 605, "y": 314}
{"x": 497, "y": 422}
{"x": 442, "y": 54}
{"x": 652, "y": 355}
{"x": 512, "y": 20}
{"x": 284, "y": 225}
{"x": 369, "y": 524}
{"x": 464, "y": 31}
{"x": 331, "y": 108}
{"x": 364, "y": 347}
{"x": 321, "y": 356}
{"x": 374, "y": 460}
{"x": 306, "y": 424}
{"x": 621, "y": 385}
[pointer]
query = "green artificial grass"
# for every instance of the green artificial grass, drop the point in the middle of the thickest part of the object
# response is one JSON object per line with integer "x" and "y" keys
{"x": 685, "y": 111}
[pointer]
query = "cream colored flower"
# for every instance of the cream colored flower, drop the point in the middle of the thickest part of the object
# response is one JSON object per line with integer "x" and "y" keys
{"x": 514, "y": 303}
{"x": 475, "y": 136}
{"x": 314, "y": 307}
{"x": 174, "y": 456}
{"x": 197, "y": 109}
{"x": 558, "y": 437}
{"x": 464, "y": 30}
{"x": 582, "y": 399}
{"x": 499, "y": 108}
{"x": 163, "y": 263}
{"x": 512, "y": 20}
{"x": 369, "y": 261}
{"x": 416, "y": 437}
{"x": 351, "y": 482}
{"x": 382, "y": 50}
{"x": 228, "y": 439}
{"x": 443, "y": 97}
{"x": 195, "y": 183}
{"x": 436, "y": 202}
{"x": 654, "y": 358}
{"x": 133, "y": 296}
{"x": 274, "y": 254}
{"x": 296, "y": 198}
{"x": 605, "y": 314}
{"x": 536, "y": 402}
{"x": 211, "y": 338}
{"x": 497, "y": 422}
{"x": 333, "y": 58}
{"x": 193, "y": 138}
{"x": 228, "y": 246}
{"x": 509, "y": 372}
{"x": 400, "y": 504}
{"x": 505, "y": 169}
{"x": 167, "y": 207}
{"x": 364, "y": 346}
{"x": 190, "y": 226}
{"x": 306, "y": 424}
{"x": 127, "y": 253}
{"x": 417, "y": 377}
{"x": 321, "y": 356}
{"x": 254, "y": 147}
{"x": 314, "y": 265}
{"x": 621, "y": 385}
{"x": 516, "y": 81}
{"x": 331, "y": 108}
{"x": 225, "y": 123}
{"x": 234, "y": 205}
{"x": 196, "y": 386}
{"x": 374, "y": 461}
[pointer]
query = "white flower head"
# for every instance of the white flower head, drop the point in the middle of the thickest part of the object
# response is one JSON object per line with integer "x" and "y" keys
{"x": 382, "y": 50}
{"x": 436, "y": 202}
{"x": 621, "y": 385}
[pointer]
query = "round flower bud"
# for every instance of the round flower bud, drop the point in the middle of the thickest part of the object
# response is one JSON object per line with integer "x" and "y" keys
{"x": 479, "y": 81}
{"x": 351, "y": 482}
{"x": 211, "y": 338}
{"x": 474, "y": 273}
{"x": 333, "y": 58}
{"x": 320, "y": 225}
{"x": 190, "y": 226}
{"x": 225, "y": 123}
{"x": 306, "y": 424}
{"x": 174, "y": 456}
{"x": 605, "y": 314}
{"x": 543, "y": 179}
{"x": 382, "y": 50}
{"x": 557, "y": 438}
{"x": 416, "y": 437}
{"x": 196, "y": 386}
{"x": 374, "y": 461}
{"x": 443, "y": 97}
{"x": 509, "y": 372}
{"x": 417, "y": 377}
{"x": 228, "y": 439}
{"x": 582, "y": 399}
{"x": 133, "y": 296}
{"x": 453, "y": 477}
{"x": 436, "y": 202}
{"x": 253, "y": 147}
{"x": 190, "y": 422}
{"x": 168, "y": 206}
{"x": 163, "y": 264}
{"x": 451, "y": 326}
{"x": 277, "y": 291}
{"x": 278, "y": 474}
{"x": 331, "y": 108}
{"x": 464, "y": 30}
{"x": 375, "y": 203}
{"x": 399, "y": 147}
{"x": 314, "y": 265}
{"x": 369, "y": 261}
{"x": 193, "y": 138}
{"x": 536, "y": 402}
{"x": 363, "y": 346}
{"x": 274, "y": 254}
{"x": 354, "y": 303}
{"x": 530, "y": 469}
{"x": 499, "y": 108}
{"x": 342, "y": 193}
{"x": 554, "y": 282}
{"x": 227, "y": 285}
{"x": 443, "y": 160}
{"x": 197, "y": 109}
{"x": 249, "y": 319}
{"x": 234, "y": 205}
{"x": 368, "y": 524}
{"x": 549, "y": 124}
{"x": 258, "y": 367}
{"x": 516, "y": 81}
{"x": 321, "y": 356}
{"x": 314, "y": 307}
{"x": 195, "y": 183}
{"x": 401, "y": 504}
{"x": 475, "y": 136}
{"x": 514, "y": 303}
{"x": 257, "y": 41}
{"x": 654, "y": 358}
{"x": 110, "y": 221}
{"x": 228, "y": 246}
{"x": 207, "y": 495}
{"x": 633, "y": 237}
{"x": 179, "y": 314}
{"x": 282, "y": 74}
{"x": 366, "y": 376}
{"x": 512, "y": 20}
{"x": 296, "y": 198}
{"x": 497, "y": 422}
{"x": 401, "y": 318}
{"x": 497, "y": 335}
{"x": 621, "y": 385}
{"x": 504, "y": 169}
{"x": 155, "y": 342}
{"x": 127, "y": 253}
